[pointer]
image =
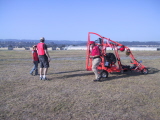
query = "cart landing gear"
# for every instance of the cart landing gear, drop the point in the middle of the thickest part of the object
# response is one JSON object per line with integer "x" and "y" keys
{"x": 104, "y": 74}
{"x": 144, "y": 71}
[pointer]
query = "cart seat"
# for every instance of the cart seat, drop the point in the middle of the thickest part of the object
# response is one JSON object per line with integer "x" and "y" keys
{"x": 109, "y": 59}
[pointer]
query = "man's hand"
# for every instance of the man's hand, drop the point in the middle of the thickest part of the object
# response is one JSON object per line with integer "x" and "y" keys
{"x": 91, "y": 56}
{"x": 49, "y": 59}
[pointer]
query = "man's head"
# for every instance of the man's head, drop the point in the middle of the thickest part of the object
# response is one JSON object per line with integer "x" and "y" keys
{"x": 42, "y": 39}
{"x": 34, "y": 47}
{"x": 92, "y": 43}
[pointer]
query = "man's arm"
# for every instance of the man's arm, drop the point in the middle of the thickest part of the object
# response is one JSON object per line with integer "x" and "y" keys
{"x": 33, "y": 56}
{"x": 46, "y": 52}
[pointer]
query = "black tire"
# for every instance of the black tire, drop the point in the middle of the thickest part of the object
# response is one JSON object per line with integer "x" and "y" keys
{"x": 104, "y": 74}
{"x": 145, "y": 71}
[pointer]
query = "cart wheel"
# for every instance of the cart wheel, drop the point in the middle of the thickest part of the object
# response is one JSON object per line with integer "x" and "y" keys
{"x": 104, "y": 74}
{"x": 145, "y": 71}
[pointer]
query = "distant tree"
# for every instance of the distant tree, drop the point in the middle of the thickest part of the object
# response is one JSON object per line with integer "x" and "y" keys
{"x": 62, "y": 45}
{"x": 20, "y": 46}
{"x": 10, "y": 46}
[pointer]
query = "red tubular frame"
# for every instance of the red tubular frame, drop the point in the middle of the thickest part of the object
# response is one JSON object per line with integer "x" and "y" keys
{"x": 114, "y": 45}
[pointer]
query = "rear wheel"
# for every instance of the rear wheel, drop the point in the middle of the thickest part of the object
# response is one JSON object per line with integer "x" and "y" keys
{"x": 104, "y": 74}
{"x": 145, "y": 71}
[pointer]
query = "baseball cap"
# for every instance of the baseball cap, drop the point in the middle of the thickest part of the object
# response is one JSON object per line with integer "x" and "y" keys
{"x": 91, "y": 42}
{"x": 42, "y": 39}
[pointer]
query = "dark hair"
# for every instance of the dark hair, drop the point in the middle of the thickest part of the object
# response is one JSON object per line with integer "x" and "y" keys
{"x": 42, "y": 39}
{"x": 34, "y": 46}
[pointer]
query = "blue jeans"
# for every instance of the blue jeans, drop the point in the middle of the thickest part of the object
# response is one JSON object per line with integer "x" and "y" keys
{"x": 35, "y": 68}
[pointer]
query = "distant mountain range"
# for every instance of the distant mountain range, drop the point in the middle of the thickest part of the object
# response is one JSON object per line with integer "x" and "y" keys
{"x": 65, "y": 42}
{"x": 79, "y": 42}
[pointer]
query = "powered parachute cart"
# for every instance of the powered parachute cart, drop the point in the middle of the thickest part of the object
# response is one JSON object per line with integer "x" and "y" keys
{"x": 108, "y": 60}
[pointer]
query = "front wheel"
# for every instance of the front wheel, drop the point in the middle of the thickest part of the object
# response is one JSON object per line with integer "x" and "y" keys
{"x": 145, "y": 71}
{"x": 104, "y": 74}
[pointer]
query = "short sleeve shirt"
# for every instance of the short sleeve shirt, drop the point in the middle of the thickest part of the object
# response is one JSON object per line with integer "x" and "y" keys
{"x": 45, "y": 47}
{"x": 35, "y": 55}
{"x": 41, "y": 49}
{"x": 95, "y": 51}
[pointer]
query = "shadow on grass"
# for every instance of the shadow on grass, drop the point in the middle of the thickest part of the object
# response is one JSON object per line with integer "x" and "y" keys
{"x": 73, "y": 74}
{"x": 67, "y": 71}
{"x": 153, "y": 70}
{"x": 130, "y": 74}
{"x": 123, "y": 75}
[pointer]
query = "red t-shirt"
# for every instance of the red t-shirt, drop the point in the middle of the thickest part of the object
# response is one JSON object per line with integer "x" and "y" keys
{"x": 35, "y": 55}
{"x": 95, "y": 51}
{"x": 41, "y": 47}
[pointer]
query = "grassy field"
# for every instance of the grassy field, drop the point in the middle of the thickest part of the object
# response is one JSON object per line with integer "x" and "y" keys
{"x": 71, "y": 94}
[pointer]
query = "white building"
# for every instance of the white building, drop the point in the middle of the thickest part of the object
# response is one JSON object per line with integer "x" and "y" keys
{"x": 108, "y": 48}
{"x": 75, "y": 48}
{"x": 144, "y": 48}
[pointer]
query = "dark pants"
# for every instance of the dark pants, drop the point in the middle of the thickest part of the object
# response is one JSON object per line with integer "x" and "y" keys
{"x": 43, "y": 59}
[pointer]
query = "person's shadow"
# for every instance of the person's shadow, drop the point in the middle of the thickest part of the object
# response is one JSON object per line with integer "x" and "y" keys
{"x": 117, "y": 75}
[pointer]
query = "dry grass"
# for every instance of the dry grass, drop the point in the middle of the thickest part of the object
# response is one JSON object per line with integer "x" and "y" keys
{"x": 70, "y": 94}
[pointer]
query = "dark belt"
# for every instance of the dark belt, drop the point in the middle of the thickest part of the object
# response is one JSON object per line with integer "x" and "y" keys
{"x": 96, "y": 57}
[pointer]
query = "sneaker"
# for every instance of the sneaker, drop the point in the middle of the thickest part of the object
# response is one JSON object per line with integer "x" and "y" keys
{"x": 45, "y": 78}
{"x": 99, "y": 78}
{"x": 41, "y": 78}
{"x": 31, "y": 74}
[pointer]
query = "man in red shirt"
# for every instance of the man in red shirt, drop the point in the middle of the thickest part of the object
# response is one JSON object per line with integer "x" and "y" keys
{"x": 44, "y": 58}
{"x": 95, "y": 55}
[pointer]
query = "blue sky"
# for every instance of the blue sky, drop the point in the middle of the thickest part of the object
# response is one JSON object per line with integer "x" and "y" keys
{"x": 119, "y": 20}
